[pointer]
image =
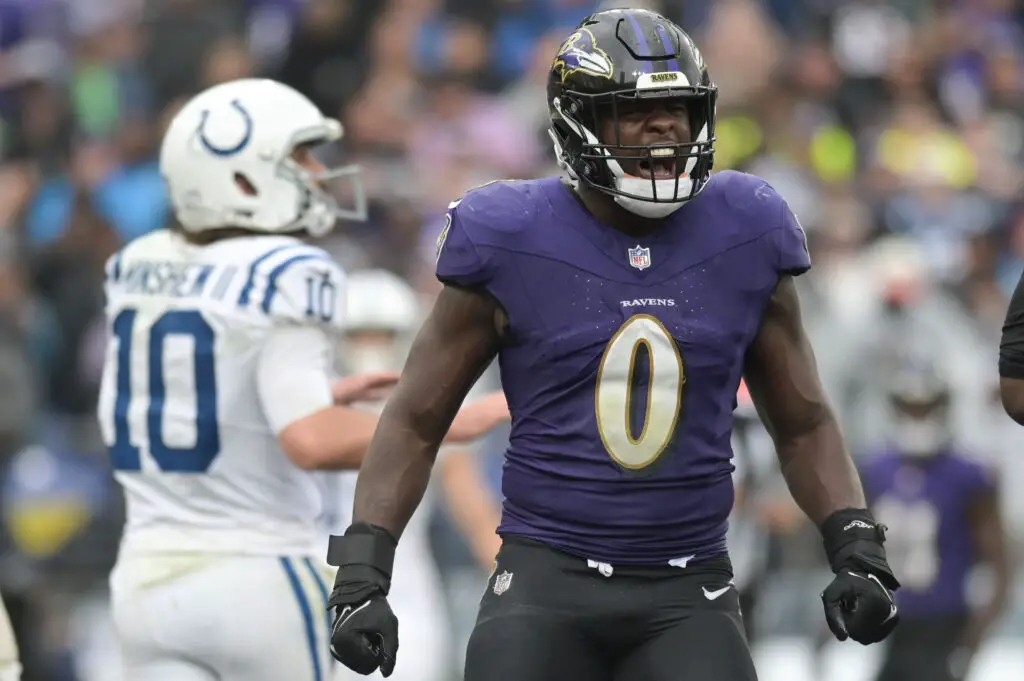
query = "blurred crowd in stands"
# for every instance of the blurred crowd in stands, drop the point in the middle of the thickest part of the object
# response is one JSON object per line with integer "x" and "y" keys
{"x": 895, "y": 129}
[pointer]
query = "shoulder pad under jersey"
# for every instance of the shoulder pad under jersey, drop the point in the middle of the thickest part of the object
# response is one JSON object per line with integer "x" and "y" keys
{"x": 485, "y": 219}
{"x": 762, "y": 208}
{"x": 295, "y": 283}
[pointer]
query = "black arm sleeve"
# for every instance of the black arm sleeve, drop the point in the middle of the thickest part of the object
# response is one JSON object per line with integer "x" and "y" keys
{"x": 1011, "y": 345}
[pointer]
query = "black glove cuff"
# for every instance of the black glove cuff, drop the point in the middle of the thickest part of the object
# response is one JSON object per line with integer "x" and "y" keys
{"x": 847, "y": 526}
{"x": 854, "y": 541}
{"x": 355, "y": 583}
{"x": 363, "y": 544}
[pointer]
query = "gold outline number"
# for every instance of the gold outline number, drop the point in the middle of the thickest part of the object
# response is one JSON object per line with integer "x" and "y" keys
{"x": 613, "y": 395}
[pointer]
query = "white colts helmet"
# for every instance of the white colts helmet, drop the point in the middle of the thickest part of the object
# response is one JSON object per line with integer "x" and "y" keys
{"x": 378, "y": 302}
{"x": 239, "y": 135}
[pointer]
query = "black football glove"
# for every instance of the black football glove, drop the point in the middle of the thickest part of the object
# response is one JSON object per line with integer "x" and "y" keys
{"x": 365, "y": 633}
{"x": 859, "y": 602}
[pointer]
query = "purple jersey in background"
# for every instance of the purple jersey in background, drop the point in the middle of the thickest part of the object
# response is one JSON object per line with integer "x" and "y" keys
{"x": 925, "y": 504}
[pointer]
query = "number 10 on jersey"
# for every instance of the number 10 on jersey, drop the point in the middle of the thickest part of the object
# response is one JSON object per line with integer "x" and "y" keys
{"x": 186, "y": 324}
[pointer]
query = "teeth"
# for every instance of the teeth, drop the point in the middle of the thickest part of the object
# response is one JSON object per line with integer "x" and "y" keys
{"x": 664, "y": 151}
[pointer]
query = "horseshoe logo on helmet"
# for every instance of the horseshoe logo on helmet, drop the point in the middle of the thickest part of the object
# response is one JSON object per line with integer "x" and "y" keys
{"x": 227, "y": 151}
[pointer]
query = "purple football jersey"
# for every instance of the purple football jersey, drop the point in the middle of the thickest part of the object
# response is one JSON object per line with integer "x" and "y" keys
{"x": 623, "y": 357}
{"x": 929, "y": 543}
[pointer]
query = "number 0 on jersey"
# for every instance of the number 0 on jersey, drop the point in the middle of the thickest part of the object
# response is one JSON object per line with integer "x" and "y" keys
{"x": 616, "y": 380}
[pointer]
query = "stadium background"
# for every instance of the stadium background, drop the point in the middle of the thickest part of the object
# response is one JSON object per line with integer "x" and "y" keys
{"x": 895, "y": 130}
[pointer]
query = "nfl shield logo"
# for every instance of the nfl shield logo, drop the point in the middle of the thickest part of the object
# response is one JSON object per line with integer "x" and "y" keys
{"x": 639, "y": 257}
{"x": 502, "y": 582}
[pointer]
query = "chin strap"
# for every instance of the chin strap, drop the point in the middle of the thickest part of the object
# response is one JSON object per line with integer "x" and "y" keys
{"x": 648, "y": 209}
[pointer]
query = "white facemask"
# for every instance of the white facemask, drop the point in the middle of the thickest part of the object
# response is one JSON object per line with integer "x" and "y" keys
{"x": 920, "y": 438}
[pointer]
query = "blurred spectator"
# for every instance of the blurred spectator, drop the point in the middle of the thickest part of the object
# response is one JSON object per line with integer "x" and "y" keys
{"x": 179, "y": 35}
{"x": 227, "y": 59}
{"x": 465, "y": 138}
{"x": 326, "y": 54}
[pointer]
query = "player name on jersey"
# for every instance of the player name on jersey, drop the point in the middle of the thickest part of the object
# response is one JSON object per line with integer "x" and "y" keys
{"x": 165, "y": 279}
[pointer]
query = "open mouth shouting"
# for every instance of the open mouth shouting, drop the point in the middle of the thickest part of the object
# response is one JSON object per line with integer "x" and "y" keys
{"x": 660, "y": 165}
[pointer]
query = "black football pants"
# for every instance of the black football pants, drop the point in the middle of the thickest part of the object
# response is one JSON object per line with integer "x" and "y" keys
{"x": 548, "y": 616}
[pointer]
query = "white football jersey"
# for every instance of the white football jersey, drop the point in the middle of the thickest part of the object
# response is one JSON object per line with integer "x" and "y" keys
{"x": 180, "y": 405}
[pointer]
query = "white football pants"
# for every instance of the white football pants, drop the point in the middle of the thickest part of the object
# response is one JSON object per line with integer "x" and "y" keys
{"x": 221, "y": 618}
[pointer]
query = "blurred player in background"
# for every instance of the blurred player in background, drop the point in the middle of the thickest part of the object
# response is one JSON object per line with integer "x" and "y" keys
{"x": 624, "y": 301}
{"x": 944, "y": 512}
{"x": 216, "y": 395}
{"x": 381, "y": 315}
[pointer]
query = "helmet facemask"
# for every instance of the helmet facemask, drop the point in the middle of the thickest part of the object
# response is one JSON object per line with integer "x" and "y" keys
{"x": 664, "y": 176}
{"x": 321, "y": 189}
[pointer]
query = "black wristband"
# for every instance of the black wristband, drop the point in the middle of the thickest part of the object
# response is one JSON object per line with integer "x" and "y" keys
{"x": 847, "y": 526}
{"x": 363, "y": 544}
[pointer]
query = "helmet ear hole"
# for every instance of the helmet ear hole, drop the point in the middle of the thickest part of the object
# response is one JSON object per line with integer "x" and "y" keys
{"x": 246, "y": 185}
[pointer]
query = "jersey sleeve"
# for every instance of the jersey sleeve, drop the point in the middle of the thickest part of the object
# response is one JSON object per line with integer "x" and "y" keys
{"x": 297, "y": 286}
{"x": 775, "y": 225}
{"x": 793, "y": 258}
{"x": 459, "y": 260}
{"x": 292, "y": 374}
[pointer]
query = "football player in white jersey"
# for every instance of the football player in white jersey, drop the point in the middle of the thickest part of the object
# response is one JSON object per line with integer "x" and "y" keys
{"x": 382, "y": 313}
{"x": 216, "y": 396}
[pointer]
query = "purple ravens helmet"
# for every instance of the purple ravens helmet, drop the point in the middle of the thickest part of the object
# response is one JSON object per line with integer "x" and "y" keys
{"x": 615, "y": 59}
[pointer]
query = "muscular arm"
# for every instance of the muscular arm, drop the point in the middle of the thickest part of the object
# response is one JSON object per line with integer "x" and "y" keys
{"x": 782, "y": 376}
{"x": 455, "y": 345}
